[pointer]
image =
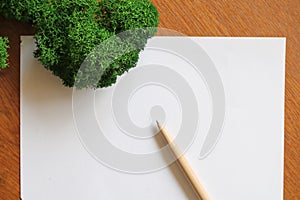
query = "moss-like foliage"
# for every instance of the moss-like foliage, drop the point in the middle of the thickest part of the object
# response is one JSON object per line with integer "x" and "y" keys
{"x": 122, "y": 15}
{"x": 22, "y": 10}
{"x": 3, "y": 53}
{"x": 68, "y": 31}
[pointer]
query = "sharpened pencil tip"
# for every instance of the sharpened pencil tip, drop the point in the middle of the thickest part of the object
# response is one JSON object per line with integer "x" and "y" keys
{"x": 158, "y": 124}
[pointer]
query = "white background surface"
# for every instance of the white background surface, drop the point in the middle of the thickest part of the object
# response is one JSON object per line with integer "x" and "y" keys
{"x": 246, "y": 164}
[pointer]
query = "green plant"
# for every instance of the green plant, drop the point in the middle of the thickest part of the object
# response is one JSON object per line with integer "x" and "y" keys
{"x": 21, "y": 10}
{"x": 3, "y": 52}
{"x": 68, "y": 31}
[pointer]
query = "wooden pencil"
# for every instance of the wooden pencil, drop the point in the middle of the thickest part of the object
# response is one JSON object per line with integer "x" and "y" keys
{"x": 184, "y": 165}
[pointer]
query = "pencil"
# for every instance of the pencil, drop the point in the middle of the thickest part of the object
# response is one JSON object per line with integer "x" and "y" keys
{"x": 184, "y": 165}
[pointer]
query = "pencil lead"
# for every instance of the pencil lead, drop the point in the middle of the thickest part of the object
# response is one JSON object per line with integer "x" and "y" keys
{"x": 158, "y": 124}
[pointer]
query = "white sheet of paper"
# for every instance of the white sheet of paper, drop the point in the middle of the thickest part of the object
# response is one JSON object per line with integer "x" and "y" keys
{"x": 245, "y": 164}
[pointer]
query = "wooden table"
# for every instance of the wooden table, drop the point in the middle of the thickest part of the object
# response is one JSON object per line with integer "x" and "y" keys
{"x": 193, "y": 18}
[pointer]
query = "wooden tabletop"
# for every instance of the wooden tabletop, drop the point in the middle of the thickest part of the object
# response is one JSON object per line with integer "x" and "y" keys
{"x": 193, "y": 18}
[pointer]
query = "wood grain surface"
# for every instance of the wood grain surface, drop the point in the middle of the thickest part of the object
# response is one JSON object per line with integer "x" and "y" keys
{"x": 193, "y": 18}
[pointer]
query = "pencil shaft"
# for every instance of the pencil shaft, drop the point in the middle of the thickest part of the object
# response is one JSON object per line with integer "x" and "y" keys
{"x": 184, "y": 166}
{"x": 191, "y": 176}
